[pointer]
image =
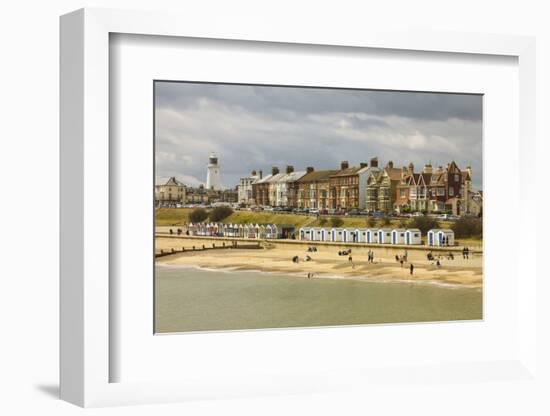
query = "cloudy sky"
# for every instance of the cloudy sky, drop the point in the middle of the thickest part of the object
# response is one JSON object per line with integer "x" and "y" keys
{"x": 256, "y": 127}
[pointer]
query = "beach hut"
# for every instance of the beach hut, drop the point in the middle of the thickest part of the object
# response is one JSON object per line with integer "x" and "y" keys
{"x": 319, "y": 234}
{"x": 431, "y": 236}
{"x": 413, "y": 236}
{"x": 445, "y": 238}
{"x": 351, "y": 235}
{"x": 361, "y": 234}
{"x": 269, "y": 231}
{"x": 305, "y": 234}
{"x": 383, "y": 236}
{"x": 261, "y": 231}
{"x": 398, "y": 236}
{"x": 314, "y": 234}
{"x": 336, "y": 234}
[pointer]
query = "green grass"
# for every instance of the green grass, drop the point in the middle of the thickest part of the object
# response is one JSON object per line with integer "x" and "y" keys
{"x": 180, "y": 216}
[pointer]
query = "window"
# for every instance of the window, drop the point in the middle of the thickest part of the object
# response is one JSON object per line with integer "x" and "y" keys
{"x": 440, "y": 191}
{"x": 451, "y": 191}
{"x": 402, "y": 193}
{"x": 456, "y": 178}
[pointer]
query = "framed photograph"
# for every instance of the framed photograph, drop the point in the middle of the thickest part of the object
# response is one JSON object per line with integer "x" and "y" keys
{"x": 261, "y": 213}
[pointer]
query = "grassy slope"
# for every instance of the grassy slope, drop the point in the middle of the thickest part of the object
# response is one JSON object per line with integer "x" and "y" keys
{"x": 180, "y": 216}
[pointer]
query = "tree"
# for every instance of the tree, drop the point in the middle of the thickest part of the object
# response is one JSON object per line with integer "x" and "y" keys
{"x": 468, "y": 227}
{"x": 336, "y": 222}
{"x": 220, "y": 213}
{"x": 198, "y": 215}
{"x": 386, "y": 221}
{"x": 371, "y": 222}
{"x": 424, "y": 224}
{"x": 322, "y": 222}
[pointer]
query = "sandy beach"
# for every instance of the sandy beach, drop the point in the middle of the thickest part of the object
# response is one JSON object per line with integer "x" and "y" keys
{"x": 326, "y": 263}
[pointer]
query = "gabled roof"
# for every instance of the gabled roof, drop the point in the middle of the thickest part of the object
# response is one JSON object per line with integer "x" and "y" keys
{"x": 393, "y": 173}
{"x": 317, "y": 175}
{"x": 264, "y": 179}
{"x": 275, "y": 178}
{"x": 347, "y": 172}
{"x": 292, "y": 176}
{"x": 172, "y": 181}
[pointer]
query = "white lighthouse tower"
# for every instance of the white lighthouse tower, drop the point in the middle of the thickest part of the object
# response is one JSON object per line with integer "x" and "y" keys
{"x": 213, "y": 174}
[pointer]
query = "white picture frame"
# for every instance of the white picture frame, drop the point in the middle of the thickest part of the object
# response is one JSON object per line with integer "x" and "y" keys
{"x": 86, "y": 355}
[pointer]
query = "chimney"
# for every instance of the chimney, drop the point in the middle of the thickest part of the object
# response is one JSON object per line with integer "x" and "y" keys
{"x": 390, "y": 165}
{"x": 274, "y": 170}
{"x": 261, "y": 174}
{"x": 403, "y": 172}
{"x": 374, "y": 162}
{"x": 411, "y": 168}
{"x": 344, "y": 164}
{"x": 427, "y": 168}
{"x": 309, "y": 169}
{"x": 289, "y": 169}
{"x": 363, "y": 165}
{"x": 469, "y": 170}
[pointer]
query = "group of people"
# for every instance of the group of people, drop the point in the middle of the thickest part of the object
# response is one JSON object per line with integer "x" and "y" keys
{"x": 466, "y": 253}
{"x": 370, "y": 256}
{"x": 403, "y": 258}
{"x": 179, "y": 231}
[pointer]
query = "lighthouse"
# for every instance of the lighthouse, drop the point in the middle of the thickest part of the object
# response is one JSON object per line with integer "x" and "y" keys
{"x": 213, "y": 174}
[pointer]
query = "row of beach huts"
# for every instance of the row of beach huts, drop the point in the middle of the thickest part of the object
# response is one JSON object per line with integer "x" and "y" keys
{"x": 252, "y": 231}
{"x": 410, "y": 236}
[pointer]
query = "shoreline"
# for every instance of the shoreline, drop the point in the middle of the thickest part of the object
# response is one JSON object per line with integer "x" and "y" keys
{"x": 365, "y": 279}
{"x": 326, "y": 263}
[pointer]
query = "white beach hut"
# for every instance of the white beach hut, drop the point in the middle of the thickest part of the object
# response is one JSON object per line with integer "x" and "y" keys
{"x": 439, "y": 237}
{"x": 398, "y": 236}
{"x": 316, "y": 234}
{"x": 413, "y": 236}
{"x": 383, "y": 236}
{"x": 370, "y": 236}
{"x": 305, "y": 234}
{"x": 431, "y": 236}
{"x": 445, "y": 238}
{"x": 319, "y": 234}
{"x": 348, "y": 235}
{"x": 361, "y": 234}
{"x": 269, "y": 231}
{"x": 336, "y": 234}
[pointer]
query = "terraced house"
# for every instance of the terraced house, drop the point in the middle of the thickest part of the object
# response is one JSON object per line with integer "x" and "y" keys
{"x": 450, "y": 189}
{"x": 285, "y": 192}
{"x": 313, "y": 189}
{"x": 344, "y": 186}
{"x": 445, "y": 190}
{"x": 381, "y": 188}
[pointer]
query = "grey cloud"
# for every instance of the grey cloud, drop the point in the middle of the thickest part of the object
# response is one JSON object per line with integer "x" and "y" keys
{"x": 254, "y": 127}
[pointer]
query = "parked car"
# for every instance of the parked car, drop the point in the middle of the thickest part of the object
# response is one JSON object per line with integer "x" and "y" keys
{"x": 417, "y": 214}
{"x": 353, "y": 212}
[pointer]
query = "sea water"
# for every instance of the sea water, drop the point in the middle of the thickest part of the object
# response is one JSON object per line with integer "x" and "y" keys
{"x": 192, "y": 299}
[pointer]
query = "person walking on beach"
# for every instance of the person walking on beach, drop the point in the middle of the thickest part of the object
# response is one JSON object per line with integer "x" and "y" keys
{"x": 401, "y": 261}
{"x": 411, "y": 269}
